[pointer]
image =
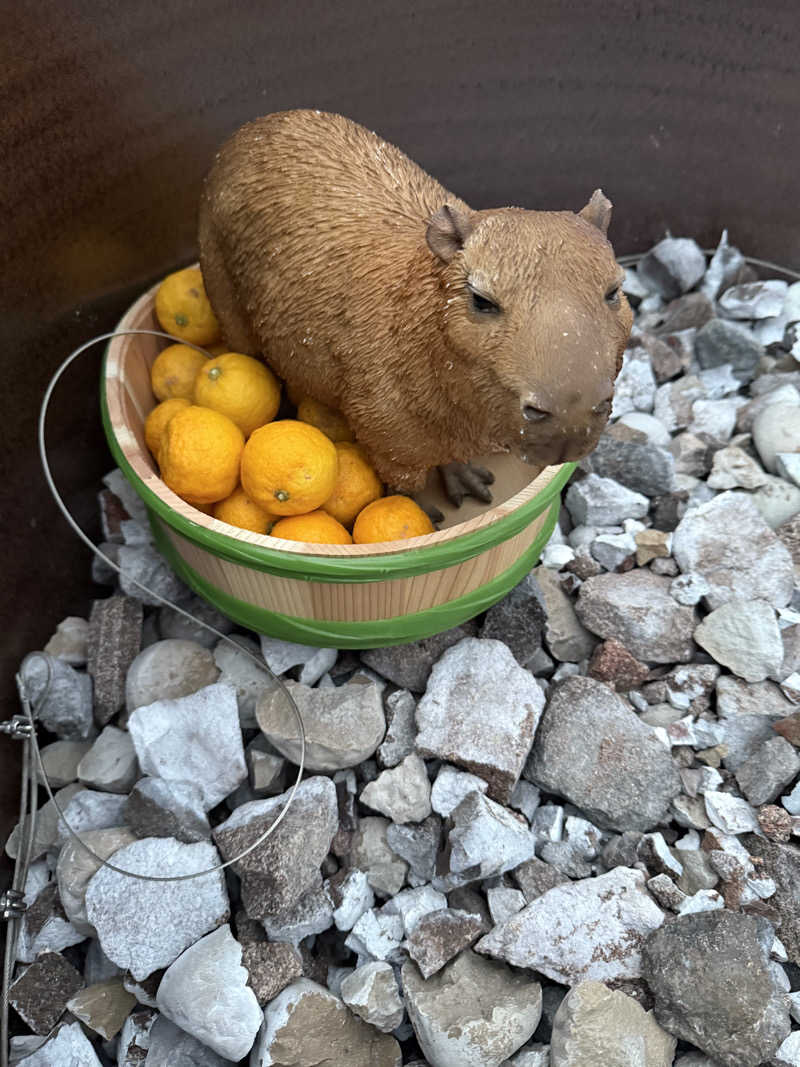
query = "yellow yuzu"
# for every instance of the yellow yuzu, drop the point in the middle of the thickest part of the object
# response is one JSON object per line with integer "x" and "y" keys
{"x": 239, "y": 510}
{"x": 240, "y": 387}
{"x": 174, "y": 371}
{"x": 159, "y": 417}
{"x": 289, "y": 467}
{"x": 318, "y": 527}
{"x": 183, "y": 308}
{"x": 357, "y": 484}
{"x": 200, "y": 453}
{"x": 392, "y": 518}
{"x": 332, "y": 423}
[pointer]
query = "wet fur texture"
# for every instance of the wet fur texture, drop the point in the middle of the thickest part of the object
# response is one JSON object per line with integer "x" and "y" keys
{"x": 331, "y": 253}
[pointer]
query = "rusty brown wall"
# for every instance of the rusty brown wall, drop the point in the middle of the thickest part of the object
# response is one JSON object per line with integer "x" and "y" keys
{"x": 686, "y": 113}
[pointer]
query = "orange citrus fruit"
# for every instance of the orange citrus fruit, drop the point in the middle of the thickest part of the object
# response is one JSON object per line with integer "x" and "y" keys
{"x": 159, "y": 417}
{"x": 289, "y": 467}
{"x": 332, "y": 423}
{"x": 318, "y": 527}
{"x": 183, "y": 308}
{"x": 200, "y": 454}
{"x": 174, "y": 371}
{"x": 207, "y": 509}
{"x": 239, "y": 510}
{"x": 392, "y": 518}
{"x": 241, "y": 388}
{"x": 356, "y": 485}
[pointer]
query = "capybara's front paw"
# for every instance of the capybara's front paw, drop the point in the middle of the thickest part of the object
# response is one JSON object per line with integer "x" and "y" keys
{"x": 466, "y": 479}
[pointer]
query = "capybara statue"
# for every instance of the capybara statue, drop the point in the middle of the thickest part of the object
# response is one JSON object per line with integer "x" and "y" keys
{"x": 441, "y": 333}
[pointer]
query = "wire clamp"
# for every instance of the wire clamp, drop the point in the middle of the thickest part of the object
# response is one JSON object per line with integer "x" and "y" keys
{"x": 12, "y": 904}
{"x": 17, "y": 727}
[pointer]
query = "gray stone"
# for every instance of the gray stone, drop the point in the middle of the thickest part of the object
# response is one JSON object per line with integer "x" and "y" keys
{"x": 730, "y": 813}
{"x": 111, "y": 763}
{"x": 265, "y": 767}
{"x": 167, "y": 670}
{"x": 172, "y": 623}
{"x": 672, "y": 267}
{"x": 752, "y": 565}
{"x": 45, "y": 927}
{"x": 412, "y": 904}
{"x": 689, "y": 963}
{"x": 371, "y": 992}
{"x": 788, "y": 1052}
{"x": 655, "y": 431}
{"x": 282, "y": 656}
{"x": 503, "y": 903}
{"x": 781, "y": 863}
{"x": 518, "y": 620}
{"x": 666, "y": 892}
{"x": 144, "y": 573}
{"x": 716, "y": 418}
{"x": 591, "y": 929}
{"x": 98, "y": 967}
{"x": 624, "y": 454}
{"x": 776, "y": 429}
{"x": 69, "y": 642}
{"x": 134, "y": 1038}
{"x": 720, "y": 342}
{"x": 697, "y": 871}
{"x": 343, "y": 725}
{"x": 114, "y": 639}
{"x": 90, "y": 810}
{"x": 525, "y": 798}
{"x": 311, "y": 914}
{"x": 376, "y": 935}
{"x": 743, "y": 635}
{"x": 271, "y": 966}
{"x": 60, "y": 760}
{"x": 76, "y": 866}
{"x": 703, "y": 900}
{"x": 635, "y": 384}
{"x": 418, "y": 844}
{"x": 787, "y": 465}
{"x": 46, "y": 828}
{"x": 768, "y": 771}
{"x": 370, "y": 852}
{"x": 486, "y": 839}
{"x": 451, "y": 786}
{"x": 535, "y": 877}
{"x": 476, "y": 678}
{"x": 144, "y": 925}
{"x": 306, "y": 1024}
{"x": 603, "y": 502}
{"x": 781, "y": 394}
{"x": 351, "y": 897}
{"x": 286, "y": 865}
{"x": 68, "y": 1046}
{"x": 723, "y": 271}
{"x": 597, "y": 1025}
{"x": 777, "y": 501}
{"x": 403, "y": 793}
{"x": 160, "y": 808}
{"x": 473, "y": 1013}
{"x": 205, "y": 993}
{"x": 409, "y": 666}
{"x": 733, "y": 468}
{"x": 754, "y": 300}
{"x": 235, "y": 660}
{"x": 637, "y": 610}
{"x": 674, "y": 401}
{"x": 401, "y": 728}
{"x": 40, "y": 994}
{"x": 103, "y": 1007}
{"x": 567, "y": 638}
{"x": 587, "y": 726}
{"x": 195, "y": 737}
{"x": 441, "y": 935}
{"x": 168, "y": 1044}
{"x": 60, "y": 696}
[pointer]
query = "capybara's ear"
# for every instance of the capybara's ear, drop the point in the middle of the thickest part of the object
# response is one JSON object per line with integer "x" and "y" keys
{"x": 597, "y": 211}
{"x": 447, "y": 231}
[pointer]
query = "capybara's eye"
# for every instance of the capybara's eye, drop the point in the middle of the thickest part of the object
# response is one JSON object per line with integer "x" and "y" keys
{"x": 612, "y": 296}
{"x": 533, "y": 414}
{"x": 483, "y": 303}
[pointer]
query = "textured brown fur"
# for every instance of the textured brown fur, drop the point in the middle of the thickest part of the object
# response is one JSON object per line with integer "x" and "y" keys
{"x": 328, "y": 250}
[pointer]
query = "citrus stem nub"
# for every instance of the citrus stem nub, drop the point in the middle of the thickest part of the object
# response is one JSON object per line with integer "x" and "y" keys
{"x": 214, "y": 373}
{"x": 282, "y": 495}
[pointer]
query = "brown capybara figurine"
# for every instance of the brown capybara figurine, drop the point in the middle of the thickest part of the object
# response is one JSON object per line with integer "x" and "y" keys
{"x": 441, "y": 333}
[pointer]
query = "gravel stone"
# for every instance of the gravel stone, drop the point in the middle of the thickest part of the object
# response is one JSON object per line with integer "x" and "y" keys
{"x": 672, "y": 267}
{"x": 753, "y": 565}
{"x": 474, "y": 679}
{"x": 113, "y": 642}
{"x": 401, "y": 728}
{"x": 40, "y": 994}
{"x": 674, "y": 400}
{"x": 285, "y": 866}
{"x": 768, "y": 771}
{"x": 781, "y": 863}
{"x": 626, "y": 455}
{"x": 343, "y": 725}
{"x": 172, "y": 624}
{"x": 305, "y": 1024}
{"x": 282, "y": 656}
{"x": 591, "y": 929}
{"x": 593, "y": 750}
{"x": 755, "y": 300}
{"x": 451, "y": 786}
{"x": 376, "y": 935}
{"x": 111, "y": 763}
{"x": 713, "y": 986}
{"x": 635, "y": 384}
{"x": 720, "y": 341}
{"x": 103, "y": 1006}
{"x": 205, "y": 993}
{"x": 776, "y": 429}
{"x": 503, "y": 903}
{"x": 597, "y": 1025}
{"x": 703, "y": 900}
{"x": 146, "y": 925}
{"x": 90, "y": 810}
{"x": 76, "y": 866}
{"x": 743, "y": 635}
{"x": 66, "y": 709}
{"x": 597, "y": 501}
{"x": 69, "y": 642}
{"x": 371, "y": 992}
{"x": 412, "y": 904}
{"x": 409, "y": 666}
{"x": 47, "y": 822}
{"x": 486, "y": 839}
{"x": 732, "y": 468}
{"x": 167, "y": 670}
{"x": 637, "y": 610}
{"x": 60, "y": 760}
{"x": 567, "y": 638}
{"x": 518, "y": 620}
{"x": 403, "y": 793}
{"x": 145, "y": 574}
{"x": 311, "y": 914}
{"x": 271, "y": 966}
{"x": 160, "y": 808}
{"x": 418, "y": 844}
{"x": 472, "y": 1013}
{"x": 370, "y": 852}
{"x": 195, "y": 737}
{"x": 250, "y": 681}
{"x": 69, "y": 1046}
{"x": 613, "y": 664}
{"x": 730, "y": 813}
{"x": 351, "y": 897}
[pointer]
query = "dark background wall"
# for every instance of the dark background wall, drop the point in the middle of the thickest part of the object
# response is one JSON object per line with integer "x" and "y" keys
{"x": 687, "y": 114}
